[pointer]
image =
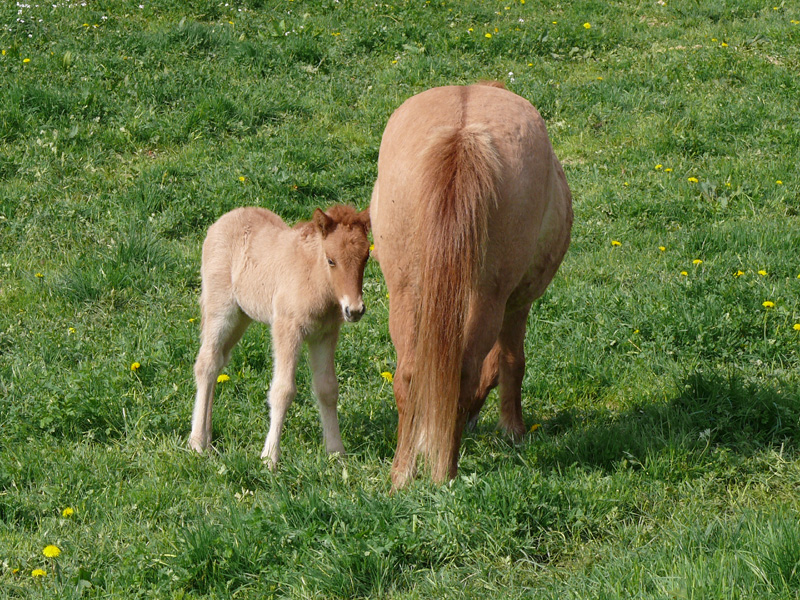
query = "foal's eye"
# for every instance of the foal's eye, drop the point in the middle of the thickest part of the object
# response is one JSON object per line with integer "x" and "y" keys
{"x": 331, "y": 262}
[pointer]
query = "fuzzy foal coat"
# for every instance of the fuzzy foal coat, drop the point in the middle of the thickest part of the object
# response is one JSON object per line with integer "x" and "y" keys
{"x": 303, "y": 281}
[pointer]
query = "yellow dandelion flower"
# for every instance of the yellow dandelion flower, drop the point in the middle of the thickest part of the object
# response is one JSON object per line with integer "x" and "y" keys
{"x": 668, "y": 170}
{"x": 242, "y": 178}
{"x": 697, "y": 261}
{"x": 587, "y": 25}
{"x": 763, "y": 273}
{"x": 724, "y": 45}
{"x": 535, "y": 426}
{"x": 371, "y": 247}
{"x": 38, "y": 573}
{"x": 693, "y": 180}
{"x": 223, "y": 378}
{"x": 713, "y": 39}
{"x": 71, "y": 330}
{"x": 488, "y": 36}
{"x": 796, "y": 326}
{"x": 738, "y": 273}
{"x": 38, "y": 275}
{"x": 662, "y": 248}
{"x": 659, "y": 167}
{"x": 684, "y": 273}
{"x": 387, "y": 376}
{"x": 26, "y": 60}
{"x": 191, "y": 319}
{"x": 135, "y": 366}
{"x": 779, "y": 182}
{"x": 67, "y": 512}
{"x": 626, "y": 184}
{"x": 51, "y": 551}
{"x": 616, "y": 243}
{"x": 470, "y": 30}
{"x": 768, "y": 304}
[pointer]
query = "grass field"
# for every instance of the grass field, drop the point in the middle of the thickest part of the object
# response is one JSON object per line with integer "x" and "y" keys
{"x": 663, "y": 385}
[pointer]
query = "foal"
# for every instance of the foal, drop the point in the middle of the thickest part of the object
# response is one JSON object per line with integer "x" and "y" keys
{"x": 303, "y": 281}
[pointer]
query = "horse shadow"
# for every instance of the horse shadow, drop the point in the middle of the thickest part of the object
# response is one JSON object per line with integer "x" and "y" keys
{"x": 708, "y": 411}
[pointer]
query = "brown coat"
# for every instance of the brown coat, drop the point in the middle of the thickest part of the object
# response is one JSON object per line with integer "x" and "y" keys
{"x": 471, "y": 215}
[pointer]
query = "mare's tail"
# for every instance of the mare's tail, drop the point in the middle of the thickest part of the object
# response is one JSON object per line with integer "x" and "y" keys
{"x": 459, "y": 186}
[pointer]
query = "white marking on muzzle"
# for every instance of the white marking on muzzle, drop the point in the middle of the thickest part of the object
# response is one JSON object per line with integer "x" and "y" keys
{"x": 352, "y": 311}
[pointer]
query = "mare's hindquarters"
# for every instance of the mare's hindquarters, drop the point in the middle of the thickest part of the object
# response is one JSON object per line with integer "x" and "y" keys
{"x": 465, "y": 182}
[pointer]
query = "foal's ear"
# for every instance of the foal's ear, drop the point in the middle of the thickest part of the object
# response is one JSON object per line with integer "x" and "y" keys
{"x": 363, "y": 218}
{"x": 322, "y": 222}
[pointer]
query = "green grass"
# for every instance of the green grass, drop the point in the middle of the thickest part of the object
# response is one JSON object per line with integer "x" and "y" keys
{"x": 666, "y": 461}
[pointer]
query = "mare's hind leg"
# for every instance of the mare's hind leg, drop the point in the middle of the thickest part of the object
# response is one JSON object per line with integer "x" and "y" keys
{"x": 484, "y": 323}
{"x": 505, "y": 365}
{"x": 286, "y": 342}
{"x": 326, "y": 388}
{"x": 511, "y": 365}
{"x": 401, "y": 319}
{"x": 490, "y": 373}
{"x": 222, "y": 329}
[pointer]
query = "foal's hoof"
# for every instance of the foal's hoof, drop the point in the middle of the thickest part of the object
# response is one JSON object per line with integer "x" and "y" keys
{"x": 270, "y": 459}
{"x": 198, "y": 446}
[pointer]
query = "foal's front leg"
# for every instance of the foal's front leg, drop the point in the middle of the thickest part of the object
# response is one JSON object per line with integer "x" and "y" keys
{"x": 286, "y": 342}
{"x": 326, "y": 388}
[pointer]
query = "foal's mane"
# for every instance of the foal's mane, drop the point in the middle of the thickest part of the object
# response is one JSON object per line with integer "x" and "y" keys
{"x": 340, "y": 213}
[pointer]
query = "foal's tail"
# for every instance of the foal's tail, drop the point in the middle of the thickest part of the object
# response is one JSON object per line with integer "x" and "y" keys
{"x": 459, "y": 187}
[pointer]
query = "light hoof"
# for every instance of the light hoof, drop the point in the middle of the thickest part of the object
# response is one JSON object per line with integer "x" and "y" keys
{"x": 336, "y": 449}
{"x": 198, "y": 445}
{"x": 270, "y": 458}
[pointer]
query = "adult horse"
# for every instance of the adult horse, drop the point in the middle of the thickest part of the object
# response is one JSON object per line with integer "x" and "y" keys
{"x": 471, "y": 216}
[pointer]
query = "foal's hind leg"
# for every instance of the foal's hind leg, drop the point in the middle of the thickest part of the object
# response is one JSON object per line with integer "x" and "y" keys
{"x": 222, "y": 329}
{"x": 286, "y": 342}
{"x": 326, "y": 388}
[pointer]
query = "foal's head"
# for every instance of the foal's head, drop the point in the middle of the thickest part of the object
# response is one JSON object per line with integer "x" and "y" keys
{"x": 346, "y": 246}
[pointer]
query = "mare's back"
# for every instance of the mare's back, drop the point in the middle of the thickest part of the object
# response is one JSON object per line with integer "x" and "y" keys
{"x": 527, "y": 183}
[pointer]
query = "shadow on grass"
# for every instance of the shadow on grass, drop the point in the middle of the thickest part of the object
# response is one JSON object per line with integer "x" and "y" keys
{"x": 709, "y": 410}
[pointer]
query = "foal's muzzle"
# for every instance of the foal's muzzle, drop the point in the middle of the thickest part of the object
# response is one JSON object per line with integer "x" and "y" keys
{"x": 354, "y": 313}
